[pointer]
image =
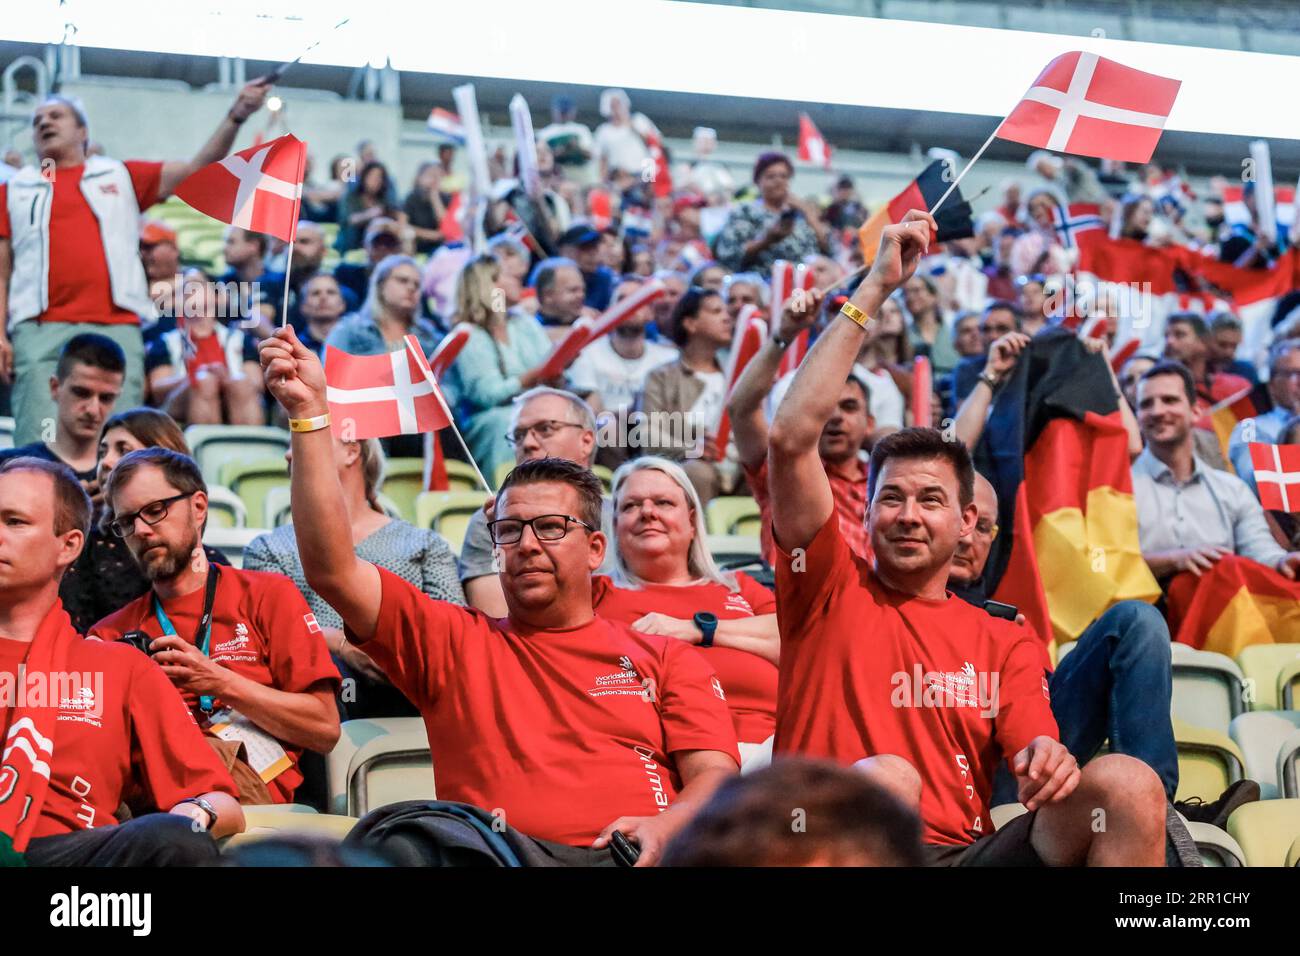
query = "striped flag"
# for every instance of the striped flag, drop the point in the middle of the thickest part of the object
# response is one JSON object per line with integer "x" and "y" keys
{"x": 747, "y": 339}
{"x": 1238, "y": 602}
{"x": 446, "y": 124}
{"x": 953, "y": 218}
{"x": 375, "y": 396}
{"x": 787, "y": 278}
{"x": 1277, "y": 476}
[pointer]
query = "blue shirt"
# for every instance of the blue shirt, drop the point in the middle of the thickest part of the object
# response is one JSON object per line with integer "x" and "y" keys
{"x": 600, "y": 287}
{"x": 357, "y": 334}
{"x": 1266, "y": 428}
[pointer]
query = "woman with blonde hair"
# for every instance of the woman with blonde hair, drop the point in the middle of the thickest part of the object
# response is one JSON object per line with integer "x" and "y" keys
{"x": 501, "y": 359}
{"x": 666, "y": 582}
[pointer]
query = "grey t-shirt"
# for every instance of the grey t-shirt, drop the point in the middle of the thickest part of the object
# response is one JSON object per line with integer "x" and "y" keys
{"x": 476, "y": 551}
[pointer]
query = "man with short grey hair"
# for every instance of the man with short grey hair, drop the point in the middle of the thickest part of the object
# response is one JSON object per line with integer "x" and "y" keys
{"x": 547, "y": 423}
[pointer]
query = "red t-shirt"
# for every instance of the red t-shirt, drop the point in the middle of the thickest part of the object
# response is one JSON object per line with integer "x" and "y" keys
{"x": 130, "y": 733}
{"x": 749, "y": 680}
{"x": 848, "y": 489}
{"x": 262, "y": 629}
{"x": 80, "y": 290}
{"x": 565, "y": 730}
{"x": 866, "y": 670}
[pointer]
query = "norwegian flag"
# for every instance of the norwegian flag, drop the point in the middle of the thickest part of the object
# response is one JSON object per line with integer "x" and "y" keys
{"x": 446, "y": 124}
{"x": 747, "y": 339}
{"x": 1075, "y": 219}
{"x": 1277, "y": 476}
{"x": 1088, "y": 105}
{"x": 258, "y": 189}
{"x": 787, "y": 277}
{"x": 383, "y": 395}
{"x": 813, "y": 148}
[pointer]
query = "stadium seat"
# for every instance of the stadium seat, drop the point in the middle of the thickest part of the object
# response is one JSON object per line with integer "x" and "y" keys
{"x": 1288, "y": 766}
{"x": 1004, "y": 813}
{"x": 1209, "y": 689}
{"x": 251, "y": 480}
{"x": 1262, "y": 665}
{"x": 727, "y": 548}
{"x": 1288, "y": 680}
{"x": 231, "y": 541}
{"x": 1208, "y": 761}
{"x": 291, "y": 819}
{"x": 503, "y": 469}
{"x": 733, "y": 514}
{"x": 377, "y": 762}
{"x": 275, "y": 507}
{"x": 448, "y": 513}
{"x": 1260, "y": 735}
{"x": 605, "y": 475}
{"x": 225, "y": 508}
{"x": 6, "y": 432}
{"x": 403, "y": 481}
{"x": 461, "y": 475}
{"x": 1216, "y": 847}
{"x": 1293, "y": 854}
{"x": 1266, "y": 830}
{"x": 215, "y": 445}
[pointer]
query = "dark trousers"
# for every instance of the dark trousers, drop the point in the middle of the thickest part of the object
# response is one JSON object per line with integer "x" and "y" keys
{"x": 1115, "y": 685}
{"x": 156, "y": 839}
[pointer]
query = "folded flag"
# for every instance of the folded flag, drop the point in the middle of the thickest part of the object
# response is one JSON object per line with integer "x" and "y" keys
{"x": 1056, "y": 451}
{"x": 746, "y": 340}
{"x": 585, "y": 331}
{"x": 1088, "y": 105}
{"x": 813, "y": 147}
{"x": 1277, "y": 476}
{"x": 446, "y": 124}
{"x": 1238, "y": 602}
{"x": 258, "y": 189}
{"x": 953, "y": 218}
{"x": 375, "y": 396}
{"x": 450, "y": 347}
{"x": 1223, "y": 416}
{"x": 787, "y": 279}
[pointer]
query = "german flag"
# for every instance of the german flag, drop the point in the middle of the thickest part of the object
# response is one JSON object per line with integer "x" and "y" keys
{"x": 1057, "y": 453}
{"x": 1224, "y": 415}
{"x": 953, "y": 218}
{"x": 1236, "y": 603}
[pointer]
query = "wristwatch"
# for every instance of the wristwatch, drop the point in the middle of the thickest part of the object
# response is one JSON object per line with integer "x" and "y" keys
{"x": 707, "y": 623}
{"x": 990, "y": 380}
{"x": 206, "y": 807}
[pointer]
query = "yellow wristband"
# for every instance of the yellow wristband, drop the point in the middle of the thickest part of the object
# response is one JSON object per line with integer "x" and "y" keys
{"x": 854, "y": 314}
{"x": 309, "y": 424}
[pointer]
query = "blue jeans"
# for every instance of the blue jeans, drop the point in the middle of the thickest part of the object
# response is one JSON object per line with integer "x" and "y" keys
{"x": 1116, "y": 684}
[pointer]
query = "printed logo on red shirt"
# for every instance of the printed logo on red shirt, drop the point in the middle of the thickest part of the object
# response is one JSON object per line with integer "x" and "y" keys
{"x": 108, "y": 189}
{"x": 1046, "y": 695}
{"x": 737, "y": 602}
{"x": 312, "y": 626}
{"x": 717, "y": 688}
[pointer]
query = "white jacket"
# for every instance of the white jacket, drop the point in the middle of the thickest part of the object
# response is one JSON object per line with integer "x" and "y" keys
{"x": 30, "y": 196}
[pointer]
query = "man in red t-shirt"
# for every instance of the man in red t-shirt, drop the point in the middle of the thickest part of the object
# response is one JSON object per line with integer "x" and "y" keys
{"x": 565, "y": 726}
{"x": 241, "y": 646}
{"x": 881, "y": 665}
{"x": 87, "y": 725}
{"x": 841, "y": 439}
{"x": 69, "y": 249}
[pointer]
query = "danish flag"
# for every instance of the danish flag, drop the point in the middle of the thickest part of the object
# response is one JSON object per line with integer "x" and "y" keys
{"x": 1088, "y": 105}
{"x": 812, "y": 145}
{"x": 258, "y": 189}
{"x": 374, "y": 396}
{"x": 1277, "y": 476}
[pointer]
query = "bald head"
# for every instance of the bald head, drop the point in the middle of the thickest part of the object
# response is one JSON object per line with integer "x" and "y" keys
{"x": 973, "y": 549}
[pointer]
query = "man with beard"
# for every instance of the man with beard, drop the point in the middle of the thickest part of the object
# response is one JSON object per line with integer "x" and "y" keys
{"x": 241, "y": 646}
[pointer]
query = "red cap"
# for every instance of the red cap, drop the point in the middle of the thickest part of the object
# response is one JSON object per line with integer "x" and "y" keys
{"x": 154, "y": 232}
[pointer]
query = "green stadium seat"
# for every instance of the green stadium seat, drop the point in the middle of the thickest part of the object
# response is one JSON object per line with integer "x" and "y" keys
{"x": 733, "y": 514}
{"x": 403, "y": 482}
{"x": 275, "y": 507}
{"x": 1209, "y": 689}
{"x": 448, "y": 513}
{"x": 1262, "y": 665}
{"x": 1266, "y": 830}
{"x": 461, "y": 476}
{"x": 1288, "y": 680}
{"x": 377, "y": 762}
{"x": 278, "y": 820}
{"x": 1208, "y": 761}
{"x": 251, "y": 480}
{"x": 215, "y": 445}
{"x": 728, "y": 548}
{"x": 1216, "y": 847}
{"x": 1288, "y": 766}
{"x": 1260, "y": 735}
{"x": 605, "y": 475}
{"x": 225, "y": 508}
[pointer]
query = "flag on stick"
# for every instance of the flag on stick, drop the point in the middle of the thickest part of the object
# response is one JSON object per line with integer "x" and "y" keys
{"x": 375, "y": 396}
{"x": 747, "y": 339}
{"x": 1277, "y": 475}
{"x": 585, "y": 331}
{"x": 954, "y": 218}
{"x": 922, "y": 389}
{"x": 813, "y": 147}
{"x": 257, "y": 189}
{"x": 446, "y": 124}
{"x": 789, "y": 279}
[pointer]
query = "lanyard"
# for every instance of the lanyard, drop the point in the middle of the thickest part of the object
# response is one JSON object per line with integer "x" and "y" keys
{"x": 203, "y": 635}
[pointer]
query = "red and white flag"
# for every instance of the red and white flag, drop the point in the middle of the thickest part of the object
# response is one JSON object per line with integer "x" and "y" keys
{"x": 448, "y": 349}
{"x": 1088, "y": 105}
{"x": 1277, "y": 476}
{"x": 258, "y": 189}
{"x": 813, "y": 147}
{"x": 747, "y": 339}
{"x": 374, "y": 396}
{"x": 787, "y": 278}
{"x": 585, "y": 331}
{"x": 922, "y": 388}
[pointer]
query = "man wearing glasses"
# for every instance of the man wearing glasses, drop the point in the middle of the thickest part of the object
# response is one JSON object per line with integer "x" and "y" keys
{"x": 562, "y": 725}
{"x": 547, "y": 423}
{"x": 242, "y": 647}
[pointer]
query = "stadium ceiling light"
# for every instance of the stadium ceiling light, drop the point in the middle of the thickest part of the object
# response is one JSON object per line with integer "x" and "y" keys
{"x": 815, "y": 58}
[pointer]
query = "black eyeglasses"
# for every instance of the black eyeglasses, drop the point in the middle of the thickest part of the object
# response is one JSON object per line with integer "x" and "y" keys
{"x": 545, "y": 528}
{"x": 152, "y": 513}
{"x": 544, "y": 429}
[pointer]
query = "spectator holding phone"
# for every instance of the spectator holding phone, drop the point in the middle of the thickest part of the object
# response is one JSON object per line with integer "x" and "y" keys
{"x": 777, "y": 225}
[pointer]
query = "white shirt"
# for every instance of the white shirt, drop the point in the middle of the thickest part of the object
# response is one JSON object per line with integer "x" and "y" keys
{"x": 887, "y": 402}
{"x": 617, "y": 380}
{"x": 621, "y": 148}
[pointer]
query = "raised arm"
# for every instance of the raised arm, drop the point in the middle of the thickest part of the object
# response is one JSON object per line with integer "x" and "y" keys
{"x": 248, "y": 102}
{"x": 748, "y": 421}
{"x": 801, "y": 492}
{"x": 974, "y": 411}
{"x": 295, "y": 376}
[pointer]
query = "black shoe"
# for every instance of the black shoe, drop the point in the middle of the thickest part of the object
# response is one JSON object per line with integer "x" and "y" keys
{"x": 1217, "y": 813}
